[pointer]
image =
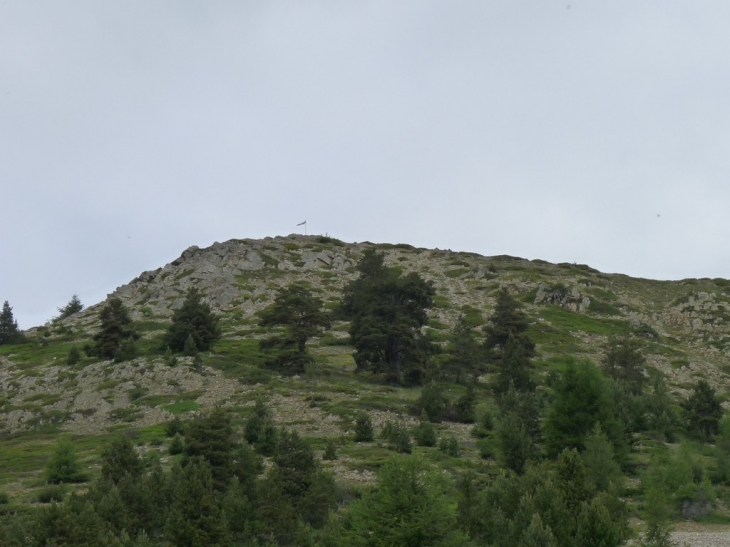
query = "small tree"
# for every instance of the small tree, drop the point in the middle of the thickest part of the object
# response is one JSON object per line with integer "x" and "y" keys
{"x": 195, "y": 319}
{"x": 9, "y": 332}
{"x": 703, "y": 411}
{"x": 74, "y": 356}
{"x": 624, "y": 361}
{"x": 64, "y": 465}
{"x": 302, "y": 316}
{"x": 463, "y": 350}
{"x": 74, "y": 306}
{"x": 363, "y": 427}
{"x": 116, "y": 328}
{"x": 507, "y": 320}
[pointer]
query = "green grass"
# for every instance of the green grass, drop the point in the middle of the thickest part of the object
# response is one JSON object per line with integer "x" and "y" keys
{"x": 565, "y": 320}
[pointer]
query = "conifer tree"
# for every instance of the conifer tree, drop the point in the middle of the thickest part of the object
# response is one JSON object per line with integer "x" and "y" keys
{"x": 302, "y": 316}
{"x": 74, "y": 306}
{"x": 194, "y": 318}
{"x": 624, "y": 361}
{"x": 464, "y": 352}
{"x": 507, "y": 320}
{"x": 386, "y": 312}
{"x": 9, "y": 332}
{"x": 116, "y": 328}
{"x": 703, "y": 411}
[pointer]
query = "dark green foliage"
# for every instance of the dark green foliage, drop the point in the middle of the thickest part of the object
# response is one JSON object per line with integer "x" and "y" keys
{"x": 412, "y": 506}
{"x": 514, "y": 368}
{"x": 507, "y": 320}
{"x": 195, "y": 319}
{"x": 624, "y": 361}
{"x": 702, "y": 411}
{"x": 398, "y": 437}
{"x": 602, "y": 468}
{"x": 465, "y": 355}
{"x": 64, "y": 465}
{"x": 49, "y": 494}
{"x": 302, "y": 316}
{"x": 119, "y": 459}
{"x": 661, "y": 416}
{"x": 449, "y": 445}
{"x": 210, "y": 437}
{"x": 74, "y": 306}
{"x": 190, "y": 349}
{"x": 4, "y": 498}
{"x": 174, "y": 427}
{"x": 502, "y": 512}
{"x": 425, "y": 433}
{"x": 581, "y": 401}
{"x": 433, "y": 401}
{"x": 464, "y": 407}
{"x": 656, "y": 515}
{"x": 74, "y": 356}
{"x": 116, "y": 328}
{"x": 330, "y": 450}
{"x": 195, "y": 517}
{"x": 363, "y": 427}
{"x": 9, "y": 332}
{"x": 386, "y": 312}
{"x": 295, "y": 490}
{"x": 514, "y": 444}
{"x": 176, "y": 445}
{"x": 127, "y": 351}
{"x": 261, "y": 431}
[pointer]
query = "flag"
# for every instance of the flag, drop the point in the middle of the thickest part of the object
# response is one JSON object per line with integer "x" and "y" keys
{"x": 302, "y": 223}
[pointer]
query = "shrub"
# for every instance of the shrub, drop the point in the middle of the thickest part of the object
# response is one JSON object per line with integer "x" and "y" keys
{"x": 330, "y": 451}
{"x": 449, "y": 445}
{"x": 433, "y": 402}
{"x": 174, "y": 427}
{"x": 4, "y": 498}
{"x": 64, "y": 465}
{"x": 363, "y": 427}
{"x": 425, "y": 433}
{"x": 50, "y": 493}
{"x": 176, "y": 446}
{"x": 397, "y": 436}
{"x": 74, "y": 356}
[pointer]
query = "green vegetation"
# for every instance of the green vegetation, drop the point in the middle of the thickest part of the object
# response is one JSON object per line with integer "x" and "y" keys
{"x": 193, "y": 320}
{"x": 584, "y": 419}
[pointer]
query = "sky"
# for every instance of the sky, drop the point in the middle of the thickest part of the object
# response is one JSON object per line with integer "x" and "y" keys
{"x": 569, "y": 131}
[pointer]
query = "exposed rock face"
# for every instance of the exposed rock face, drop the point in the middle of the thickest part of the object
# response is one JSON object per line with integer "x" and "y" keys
{"x": 686, "y": 321}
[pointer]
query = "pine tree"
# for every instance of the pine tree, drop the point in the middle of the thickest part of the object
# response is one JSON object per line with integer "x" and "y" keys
{"x": 624, "y": 361}
{"x": 9, "y": 332}
{"x": 507, "y": 320}
{"x": 116, "y": 328}
{"x": 703, "y": 411}
{"x": 464, "y": 352}
{"x": 386, "y": 312}
{"x": 195, "y": 319}
{"x": 302, "y": 316}
{"x": 64, "y": 465}
{"x": 74, "y": 306}
{"x": 363, "y": 427}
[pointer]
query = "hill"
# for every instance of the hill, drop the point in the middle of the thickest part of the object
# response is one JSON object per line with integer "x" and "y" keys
{"x": 573, "y": 310}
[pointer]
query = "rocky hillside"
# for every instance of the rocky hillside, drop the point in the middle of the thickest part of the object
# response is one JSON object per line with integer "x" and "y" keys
{"x": 574, "y": 308}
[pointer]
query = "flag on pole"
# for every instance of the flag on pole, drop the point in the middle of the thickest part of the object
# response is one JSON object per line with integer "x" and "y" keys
{"x": 302, "y": 223}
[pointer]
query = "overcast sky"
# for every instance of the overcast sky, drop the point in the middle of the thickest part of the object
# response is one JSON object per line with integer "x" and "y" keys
{"x": 571, "y": 131}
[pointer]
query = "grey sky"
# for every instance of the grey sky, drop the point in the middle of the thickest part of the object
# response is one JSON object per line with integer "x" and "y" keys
{"x": 544, "y": 129}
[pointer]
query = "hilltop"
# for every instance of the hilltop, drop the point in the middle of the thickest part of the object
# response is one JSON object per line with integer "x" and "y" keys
{"x": 573, "y": 310}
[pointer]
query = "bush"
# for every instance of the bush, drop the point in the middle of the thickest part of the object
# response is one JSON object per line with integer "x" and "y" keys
{"x": 425, "y": 433}
{"x": 363, "y": 427}
{"x": 449, "y": 445}
{"x": 174, "y": 427}
{"x": 64, "y": 465}
{"x": 74, "y": 356}
{"x": 330, "y": 451}
{"x": 50, "y": 493}
{"x": 176, "y": 446}
{"x": 397, "y": 436}
{"x": 4, "y": 498}
{"x": 433, "y": 402}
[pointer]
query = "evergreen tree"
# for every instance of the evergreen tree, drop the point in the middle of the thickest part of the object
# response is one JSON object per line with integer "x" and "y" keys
{"x": 514, "y": 368}
{"x": 190, "y": 349}
{"x": 116, "y": 328}
{"x": 386, "y": 312}
{"x": 411, "y": 506}
{"x": 702, "y": 411}
{"x": 210, "y": 437}
{"x": 363, "y": 427}
{"x": 600, "y": 463}
{"x": 74, "y": 356}
{"x": 464, "y": 352}
{"x": 74, "y": 306}
{"x": 302, "y": 316}
{"x": 624, "y": 361}
{"x": 119, "y": 459}
{"x": 9, "y": 332}
{"x": 195, "y": 518}
{"x": 580, "y": 402}
{"x": 194, "y": 318}
{"x": 507, "y": 320}
{"x": 64, "y": 464}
